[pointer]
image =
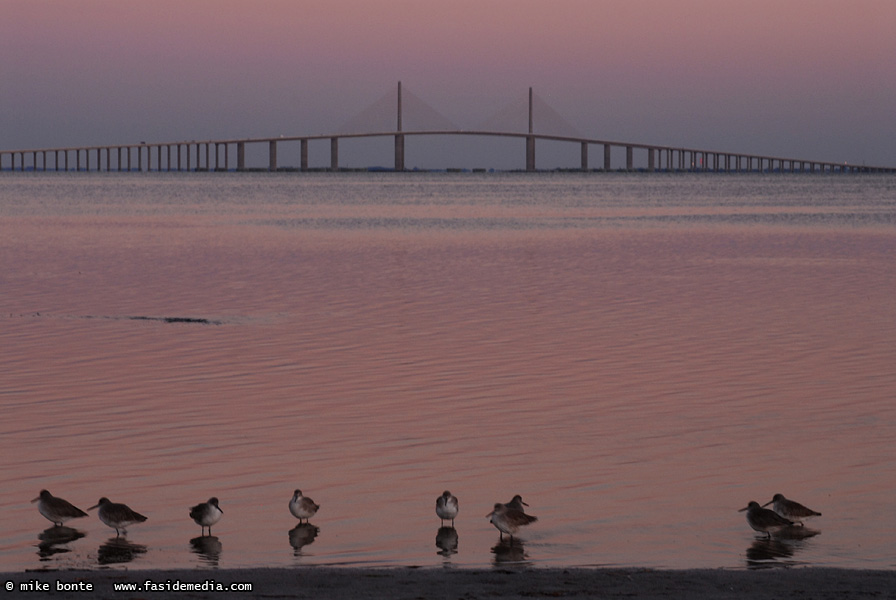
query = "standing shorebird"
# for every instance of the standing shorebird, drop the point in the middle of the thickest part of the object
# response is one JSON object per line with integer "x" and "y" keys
{"x": 764, "y": 520}
{"x": 117, "y": 516}
{"x": 206, "y": 514}
{"x": 446, "y": 507}
{"x": 302, "y": 507}
{"x": 509, "y": 520}
{"x": 517, "y": 503}
{"x": 789, "y": 509}
{"x": 56, "y": 509}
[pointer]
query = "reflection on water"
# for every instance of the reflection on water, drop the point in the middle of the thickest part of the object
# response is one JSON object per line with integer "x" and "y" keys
{"x": 619, "y": 349}
{"x": 302, "y": 535}
{"x": 509, "y": 551}
{"x": 446, "y": 541}
{"x": 118, "y": 550}
{"x": 208, "y": 547}
{"x": 780, "y": 549}
{"x": 54, "y": 540}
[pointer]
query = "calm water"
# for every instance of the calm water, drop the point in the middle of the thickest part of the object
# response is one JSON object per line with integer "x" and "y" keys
{"x": 638, "y": 356}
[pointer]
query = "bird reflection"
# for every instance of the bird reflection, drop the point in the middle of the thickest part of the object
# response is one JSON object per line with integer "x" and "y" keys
{"x": 118, "y": 550}
{"x": 208, "y": 547}
{"x": 53, "y": 540}
{"x": 446, "y": 541}
{"x": 778, "y": 551}
{"x": 509, "y": 551}
{"x": 301, "y": 535}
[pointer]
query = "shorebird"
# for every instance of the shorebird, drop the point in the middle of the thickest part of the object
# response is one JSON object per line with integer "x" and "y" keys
{"x": 56, "y": 509}
{"x": 789, "y": 509}
{"x": 446, "y": 507}
{"x": 206, "y": 514}
{"x": 516, "y": 503}
{"x": 509, "y": 520}
{"x": 764, "y": 520}
{"x": 117, "y": 516}
{"x": 302, "y": 507}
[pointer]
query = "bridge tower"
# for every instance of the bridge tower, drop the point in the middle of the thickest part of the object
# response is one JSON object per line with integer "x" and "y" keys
{"x": 399, "y": 137}
{"x": 530, "y": 140}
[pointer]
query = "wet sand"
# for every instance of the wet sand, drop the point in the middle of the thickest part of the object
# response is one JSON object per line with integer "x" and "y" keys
{"x": 413, "y": 583}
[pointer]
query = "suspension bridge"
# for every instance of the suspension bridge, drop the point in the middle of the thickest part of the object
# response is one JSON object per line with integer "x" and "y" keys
{"x": 230, "y": 154}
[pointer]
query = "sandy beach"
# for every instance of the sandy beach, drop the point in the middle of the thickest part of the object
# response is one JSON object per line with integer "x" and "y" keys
{"x": 413, "y": 583}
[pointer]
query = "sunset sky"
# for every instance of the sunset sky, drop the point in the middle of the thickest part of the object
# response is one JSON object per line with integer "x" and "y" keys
{"x": 813, "y": 79}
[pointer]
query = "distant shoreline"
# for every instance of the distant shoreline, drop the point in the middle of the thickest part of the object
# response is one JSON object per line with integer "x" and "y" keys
{"x": 344, "y": 583}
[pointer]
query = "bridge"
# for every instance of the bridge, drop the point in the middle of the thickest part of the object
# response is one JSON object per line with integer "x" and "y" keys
{"x": 215, "y": 155}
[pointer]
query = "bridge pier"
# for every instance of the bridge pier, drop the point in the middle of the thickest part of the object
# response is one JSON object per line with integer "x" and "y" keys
{"x": 399, "y": 152}
{"x": 272, "y": 155}
{"x": 584, "y": 156}
{"x": 241, "y": 156}
{"x": 530, "y": 153}
{"x": 651, "y": 166}
{"x": 334, "y": 153}
{"x": 303, "y": 152}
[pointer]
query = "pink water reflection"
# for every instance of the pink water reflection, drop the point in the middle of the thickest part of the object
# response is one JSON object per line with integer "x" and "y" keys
{"x": 637, "y": 387}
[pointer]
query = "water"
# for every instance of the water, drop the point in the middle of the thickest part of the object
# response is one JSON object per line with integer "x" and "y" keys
{"x": 638, "y": 356}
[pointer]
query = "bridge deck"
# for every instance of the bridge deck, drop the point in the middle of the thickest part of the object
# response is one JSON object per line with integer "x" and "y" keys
{"x": 676, "y": 158}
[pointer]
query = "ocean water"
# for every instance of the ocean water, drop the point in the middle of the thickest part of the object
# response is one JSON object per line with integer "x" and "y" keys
{"x": 638, "y": 356}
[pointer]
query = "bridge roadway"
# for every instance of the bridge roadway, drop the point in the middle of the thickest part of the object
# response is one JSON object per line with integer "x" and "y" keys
{"x": 187, "y": 156}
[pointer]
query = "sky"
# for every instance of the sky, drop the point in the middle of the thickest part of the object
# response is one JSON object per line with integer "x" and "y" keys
{"x": 813, "y": 79}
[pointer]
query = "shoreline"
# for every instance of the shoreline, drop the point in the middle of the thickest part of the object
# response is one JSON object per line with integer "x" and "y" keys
{"x": 411, "y": 583}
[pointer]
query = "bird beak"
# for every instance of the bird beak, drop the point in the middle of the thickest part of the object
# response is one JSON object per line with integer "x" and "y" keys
{"x": 35, "y": 500}
{"x": 743, "y": 509}
{"x": 92, "y": 507}
{"x": 490, "y": 514}
{"x": 524, "y": 504}
{"x": 767, "y": 503}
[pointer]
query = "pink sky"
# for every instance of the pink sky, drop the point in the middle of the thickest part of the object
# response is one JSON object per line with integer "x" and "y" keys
{"x": 806, "y": 78}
